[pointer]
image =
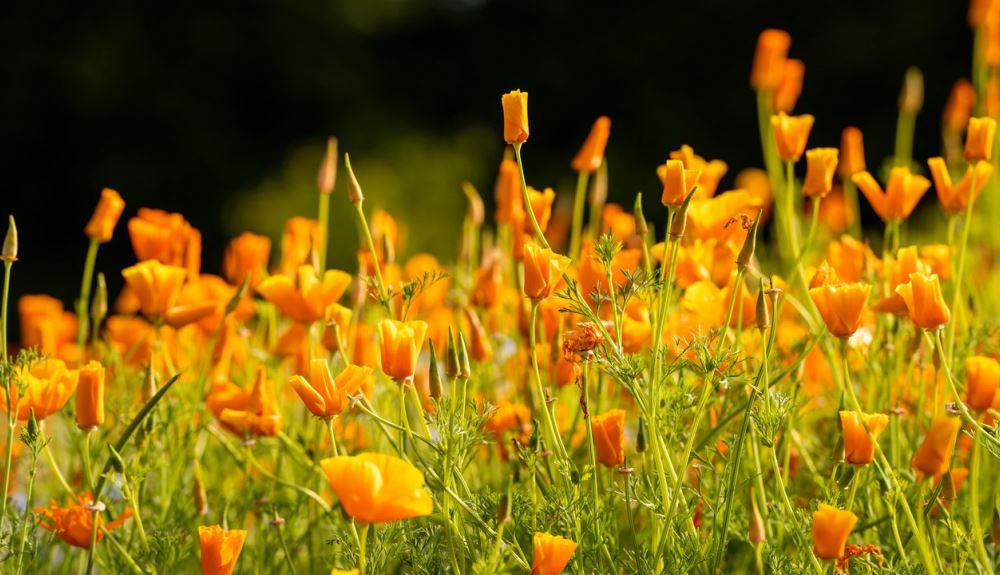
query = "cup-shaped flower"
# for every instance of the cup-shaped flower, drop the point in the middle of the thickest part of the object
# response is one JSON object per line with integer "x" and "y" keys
{"x": 399, "y": 347}
{"x": 306, "y": 298}
{"x": 830, "y": 529}
{"x": 551, "y": 553}
{"x": 821, "y": 164}
{"x": 515, "y": 117}
{"x": 609, "y": 437}
{"x": 791, "y": 133}
{"x": 769, "y": 59}
{"x": 246, "y": 259}
{"x": 260, "y": 416}
{"x": 979, "y": 139}
{"x": 786, "y": 95}
{"x": 543, "y": 271}
{"x": 220, "y": 549}
{"x": 90, "y": 396}
{"x": 47, "y": 385}
{"x": 841, "y": 305}
{"x": 324, "y": 395}
{"x": 73, "y": 523}
{"x": 923, "y": 298}
{"x": 155, "y": 285}
{"x": 933, "y": 457}
{"x": 955, "y": 197}
{"x": 982, "y": 377}
{"x": 677, "y": 181}
{"x": 591, "y": 154}
{"x": 858, "y": 447}
{"x": 900, "y": 196}
{"x": 166, "y": 237}
{"x": 378, "y": 488}
{"x": 109, "y": 209}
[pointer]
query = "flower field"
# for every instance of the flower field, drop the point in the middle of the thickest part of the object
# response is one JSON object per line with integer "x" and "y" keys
{"x": 790, "y": 369}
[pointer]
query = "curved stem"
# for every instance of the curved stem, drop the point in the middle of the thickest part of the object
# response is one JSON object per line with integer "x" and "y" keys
{"x": 527, "y": 200}
{"x": 83, "y": 304}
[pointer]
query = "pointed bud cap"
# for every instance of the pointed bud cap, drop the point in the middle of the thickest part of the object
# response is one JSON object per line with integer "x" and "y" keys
{"x": 434, "y": 378}
{"x": 451, "y": 363}
{"x": 354, "y": 193}
{"x": 10, "y": 242}
{"x": 641, "y": 228}
{"x": 99, "y": 305}
{"x": 465, "y": 368}
{"x": 763, "y": 314}
{"x": 679, "y": 224}
{"x": 750, "y": 245}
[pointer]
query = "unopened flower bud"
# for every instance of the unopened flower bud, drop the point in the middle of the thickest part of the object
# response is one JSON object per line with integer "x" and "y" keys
{"x": 10, "y": 242}
{"x": 354, "y": 193}
{"x": 451, "y": 363}
{"x": 640, "y": 438}
{"x": 911, "y": 99}
{"x": 503, "y": 509}
{"x": 199, "y": 494}
{"x": 750, "y": 245}
{"x": 465, "y": 368}
{"x": 149, "y": 385}
{"x": 327, "y": 177}
{"x": 434, "y": 377}
{"x": 99, "y": 305}
{"x": 763, "y": 314}
{"x": 679, "y": 224}
{"x": 641, "y": 228}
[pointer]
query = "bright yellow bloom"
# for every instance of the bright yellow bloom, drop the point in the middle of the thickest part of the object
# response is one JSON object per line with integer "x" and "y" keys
{"x": 830, "y": 529}
{"x": 923, "y": 298}
{"x": 220, "y": 549}
{"x": 306, "y": 298}
{"x": 901, "y": 195}
{"x": 550, "y": 554}
{"x": 791, "y": 133}
{"x": 324, "y": 395}
{"x": 378, "y": 488}
{"x": 515, "y": 117}
{"x": 47, "y": 385}
{"x": 399, "y": 347}
{"x": 543, "y": 271}
{"x": 858, "y": 448}
{"x": 821, "y": 164}
{"x": 109, "y": 209}
{"x": 156, "y": 286}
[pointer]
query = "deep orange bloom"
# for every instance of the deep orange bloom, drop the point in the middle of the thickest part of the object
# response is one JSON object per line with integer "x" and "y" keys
{"x": 788, "y": 91}
{"x": 897, "y": 270}
{"x": 47, "y": 385}
{"x": 480, "y": 348}
{"x": 297, "y": 241}
{"x": 591, "y": 155}
{"x": 306, "y": 298}
{"x": 541, "y": 206}
{"x": 982, "y": 377}
{"x": 830, "y": 529}
{"x": 955, "y": 197}
{"x": 901, "y": 195}
{"x": 617, "y": 222}
{"x": 835, "y": 214}
{"x": 543, "y": 271}
{"x": 246, "y": 259}
{"x": 399, "y": 346}
{"x": 677, "y": 182}
{"x": 791, "y": 133}
{"x": 821, "y": 164}
{"x": 324, "y": 395}
{"x": 858, "y": 448}
{"x": 73, "y": 523}
{"x": 852, "y": 152}
{"x": 487, "y": 282}
{"x": 507, "y": 191}
{"x": 515, "y": 117}
{"x": 551, "y": 554}
{"x": 850, "y": 258}
{"x": 938, "y": 259}
{"x": 637, "y": 330}
{"x": 769, "y": 59}
{"x": 923, "y": 298}
{"x": 979, "y": 139}
{"x": 167, "y": 238}
{"x": 102, "y": 224}
{"x": 958, "y": 109}
{"x": 45, "y": 324}
{"x": 933, "y": 457}
{"x": 711, "y": 171}
{"x": 378, "y": 488}
{"x": 841, "y": 305}
{"x": 609, "y": 437}
{"x": 156, "y": 285}
{"x": 260, "y": 415}
{"x": 220, "y": 549}
{"x": 90, "y": 396}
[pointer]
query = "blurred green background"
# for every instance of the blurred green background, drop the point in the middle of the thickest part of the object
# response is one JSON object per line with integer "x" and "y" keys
{"x": 220, "y": 110}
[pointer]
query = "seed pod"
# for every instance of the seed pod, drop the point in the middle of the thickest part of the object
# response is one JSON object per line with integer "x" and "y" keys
{"x": 10, "y": 242}
{"x": 327, "y": 177}
{"x": 434, "y": 377}
{"x": 199, "y": 494}
{"x": 354, "y": 193}
{"x": 503, "y": 509}
{"x": 679, "y": 224}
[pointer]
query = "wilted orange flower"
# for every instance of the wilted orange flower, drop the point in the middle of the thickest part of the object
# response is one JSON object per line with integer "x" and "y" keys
{"x": 306, "y": 298}
{"x": 259, "y": 415}
{"x": 791, "y": 133}
{"x": 220, "y": 549}
{"x": 167, "y": 238}
{"x": 47, "y": 385}
{"x": 324, "y": 395}
{"x": 830, "y": 529}
{"x": 858, "y": 448}
{"x": 73, "y": 523}
{"x": 246, "y": 259}
{"x": 551, "y": 554}
{"x": 44, "y": 323}
{"x": 399, "y": 345}
{"x": 923, "y": 298}
{"x": 591, "y": 155}
{"x": 933, "y": 457}
{"x": 609, "y": 437}
{"x": 515, "y": 117}
{"x": 979, "y": 139}
{"x": 297, "y": 241}
{"x": 156, "y": 286}
{"x": 955, "y": 198}
{"x": 769, "y": 59}
{"x": 841, "y": 305}
{"x": 821, "y": 164}
{"x": 102, "y": 224}
{"x": 852, "y": 152}
{"x": 982, "y": 376}
{"x": 711, "y": 171}
{"x": 788, "y": 91}
{"x": 378, "y": 488}
{"x": 543, "y": 271}
{"x": 901, "y": 195}
{"x": 958, "y": 109}
{"x": 677, "y": 182}
{"x": 90, "y": 396}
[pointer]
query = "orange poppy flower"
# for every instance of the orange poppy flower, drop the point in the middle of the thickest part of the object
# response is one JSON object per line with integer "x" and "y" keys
{"x": 852, "y": 152}
{"x": 47, "y": 385}
{"x": 593, "y": 276}
{"x": 591, "y": 155}
{"x": 677, "y": 182}
{"x": 858, "y": 447}
{"x": 378, "y": 488}
{"x": 220, "y": 549}
{"x": 791, "y": 133}
{"x": 167, "y": 238}
{"x": 897, "y": 271}
{"x": 515, "y": 117}
{"x": 835, "y": 214}
{"x": 487, "y": 282}
{"x": 955, "y": 198}
{"x": 297, "y": 241}
{"x": 769, "y": 59}
{"x": 830, "y": 529}
{"x": 982, "y": 377}
{"x": 933, "y": 457}
{"x": 45, "y": 324}
{"x": 541, "y": 206}
{"x": 155, "y": 285}
{"x": 551, "y": 554}
{"x": 979, "y": 139}
{"x": 543, "y": 271}
{"x": 938, "y": 259}
{"x": 637, "y": 330}
{"x": 850, "y": 258}
{"x": 711, "y": 171}
{"x": 788, "y": 91}
{"x": 609, "y": 437}
{"x": 260, "y": 415}
{"x": 399, "y": 345}
{"x": 923, "y": 298}
{"x": 73, "y": 523}
{"x": 507, "y": 192}
{"x": 841, "y": 305}
{"x": 711, "y": 218}
{"x": 306, "y": 298}
{"x": 958, "y": 109}
{"x": 90, "y": 396}
{"x": 617, "y": 222}
{"x": 480, "y": 348}
{"x": 901, "y": 194}
{"x": 246, "y": 259}
{"x": 510, "y": 417}
{"x": 109, "y": 209}
{"x": 821, "y": 164}
{"x": 324, "y": 395}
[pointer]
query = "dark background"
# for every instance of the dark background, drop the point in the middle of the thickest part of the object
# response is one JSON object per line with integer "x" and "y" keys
{"x": 219, "y": 110}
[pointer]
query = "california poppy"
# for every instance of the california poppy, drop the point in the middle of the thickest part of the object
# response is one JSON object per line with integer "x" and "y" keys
{"x": 933, "y": 457}
{"x": 841, "y": 305}
{"x": 979, "y": 139}
{"x": 591, "y": 154}
{"x": 955, "y": 197}
{"x": 858, "y": 447}
{"x": 791, "y": 133}
{"x": 399, "y": 345}
{"x": 306, "y": 298}
{"x": 324, "y": 395}
{"x": 788, "y": 91}
{"x": 47, "y": 384}
{"x": 982, "y": 376}
{"x": 509, "y": 198}
{"x": 378, "y": 488}
{"x": 551, "y": 553}
{"x": 769, "y": 59}
{"x": 156, "y": 285}
{"x": 543, "y": 271}
{"x": 109, "y": 209}
{"x": 74, "y": 522}
{"x": 515, "y": 117}
{"x": 830, "y": 529}
{"x": 220, "y": 549}
{"x": 958, "y": 108}
{"x": 711, "y": 171}
{"x": 246, "y": 259}
{"x": 923, "y": 298}
{"x": 260, "y": 414}
{"x": 90, "y": 396}
{"x": 821, "y": 164}
{"x": 166, "y": 237}
{"x": 852, "y": 152}
{"x": 609, "y": 437}
{"x": 677, "y": 181}
{"x": 297, "y": 241}
{"x": 901, "y": 194}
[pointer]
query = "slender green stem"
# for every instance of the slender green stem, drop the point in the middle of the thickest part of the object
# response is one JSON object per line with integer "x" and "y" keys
{"x": 814, "y": 220}
{"x": 284, "y": 546}
{"x": 3, "y": 309}
{"x": 539, "y": 233}
{"x": 58, "y": 472}
{"x": 362, "y": 555}
{"x": 853, "y": 207}
{"x": 83, "y": 304}
{"x": 367, "y": 233}
{"x": 789, "y": 510}
{"x": 905, "y": 125}
{"x": 26, "y": 520}
{"x": 333, "y": 437}
{"x": 555, "y": 438}
{"x": 8, "y": 462}
{"x": 584, "y": 381}
{"x": 977, "y": 526}
{"x": 579, "y": 201}
{"x": 324, "y": 226}
{"x": 88, "y": 474}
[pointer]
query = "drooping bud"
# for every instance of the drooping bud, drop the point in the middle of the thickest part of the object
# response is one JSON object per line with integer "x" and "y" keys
{"x": 641, "y": 228}
{"x": 434, "y": 377}
{"x": 327, "y": 177}
{"x": 763, "y": 314}
{"x": 679, "y": 224}
{"x": 451, "y": 363}
{"x": 10, "y": 242}
{"x": 750, "y": 245}
{"x": 756, "y": 532}
{"x": 465, "y": 368}
{"x": 911, "y": 99}
{"x": 354, "y": 194}
{"x": 99, "y": 305}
